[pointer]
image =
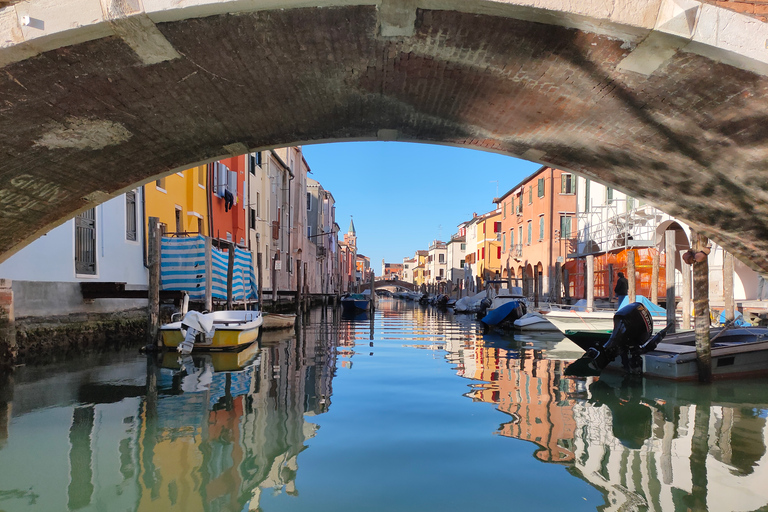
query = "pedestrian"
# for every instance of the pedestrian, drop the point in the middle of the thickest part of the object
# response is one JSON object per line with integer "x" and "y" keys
{"x": 762, "y": 286}
{"x": 621, "y": 289}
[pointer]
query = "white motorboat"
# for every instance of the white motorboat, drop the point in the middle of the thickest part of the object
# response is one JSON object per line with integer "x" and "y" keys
{"x": 534, "y": 321}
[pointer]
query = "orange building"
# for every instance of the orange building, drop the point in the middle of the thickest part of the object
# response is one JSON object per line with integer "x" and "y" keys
{"x": 538, "y": 228}
{"x": 227, "y": 209}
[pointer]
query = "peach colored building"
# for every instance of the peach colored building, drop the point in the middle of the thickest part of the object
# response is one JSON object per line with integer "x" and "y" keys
{"x": 538, "y": 229}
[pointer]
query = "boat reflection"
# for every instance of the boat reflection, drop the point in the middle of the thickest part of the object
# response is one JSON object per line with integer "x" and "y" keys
{"x": 645, "y": 444}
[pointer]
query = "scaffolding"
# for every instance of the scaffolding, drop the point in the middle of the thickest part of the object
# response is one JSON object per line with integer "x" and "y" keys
{"x": 620, "y": 224}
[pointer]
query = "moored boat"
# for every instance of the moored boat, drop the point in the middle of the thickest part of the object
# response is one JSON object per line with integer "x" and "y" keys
{"x": 218, "y": 330}
{"x": 354, "y": 303}
{"x": 274, "y": 321}
{"x": 534, "y": 321}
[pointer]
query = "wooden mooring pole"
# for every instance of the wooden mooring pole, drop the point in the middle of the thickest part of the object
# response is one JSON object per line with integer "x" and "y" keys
{"x": 670, "y": 248}
{"x": 655, "y": 277}
{"x": 701, "y": 310}
{"x": 259, "y": 291}
{"x": 631, "y": 277}
{"x": 230, "y": 272}
{"x": 298, "y": 288}
{"x": 730, "y": 304}
{"x": 590, "y": 282}
{"x": 153, "y": 261}
{"x": 687, "y": 293}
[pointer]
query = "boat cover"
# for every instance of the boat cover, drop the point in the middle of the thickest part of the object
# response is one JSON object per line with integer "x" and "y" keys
{"x": 655, "y": 309}
{"x": 738, "y": 320}
{"x": 496, "y": 316}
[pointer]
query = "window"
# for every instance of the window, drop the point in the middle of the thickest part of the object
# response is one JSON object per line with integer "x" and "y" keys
{"x": 130, "y": 216}
{"x": 530, "y": 232}
{"x": 498, "y": 252}
{"x": 520, "y": 235}
{"x": 497, "y": 227}
{"x": 309, "y": 201}
{"x": 511, "y": 239}
{"x": 567, "y": 184}
{"x": 504, "y": 241}
{"x": 630, "y": 203}
{"x": 463, "y": 247}
{"x": 483, "y": 253}
{"x": 520, "y": 204}
{"x": 541, "y": 228}
{"x": 608, "y": 195}
{"x": 441, "y": 258}
{"x": 224, "y": 179}
{"x": 258, "y": 204}
{"x": 442, "y": 272}
{"x": 461, "y": 263}
{"x": 565, "y": 226}
{"x": 504, "y": 208}
{"x": 85, "y": 242}
{"x": 200, "y": 225}
{"x": 530, "y": 194}
{"x": 252, "y": 218}
{"x": 201, "y": 172}
{"x": 254, "y": 160}
{"x": 179, "y": 223}
{"x": 586, "y": 196}
{"x": 309, "y": 231}
{"x": 160, "y": 183}
{"x": 541, "y": 187}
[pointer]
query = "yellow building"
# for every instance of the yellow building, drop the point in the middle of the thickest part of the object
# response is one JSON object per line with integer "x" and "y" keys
{"x": 489, "y": 246}
{"x": 419, "y": 271}
{"x": 180, "y": 201}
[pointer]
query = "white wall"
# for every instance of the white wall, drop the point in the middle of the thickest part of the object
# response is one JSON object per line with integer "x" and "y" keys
{"x": 52, "y": 257}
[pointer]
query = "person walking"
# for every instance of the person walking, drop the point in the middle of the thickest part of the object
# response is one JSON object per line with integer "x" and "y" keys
{"x": 621, "y": 289}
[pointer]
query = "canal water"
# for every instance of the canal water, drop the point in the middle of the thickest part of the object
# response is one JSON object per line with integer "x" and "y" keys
{"x": 411, "y": 409}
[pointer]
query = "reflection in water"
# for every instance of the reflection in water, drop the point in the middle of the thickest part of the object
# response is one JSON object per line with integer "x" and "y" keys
{"x": 644, "y": 444}
{"x": 231, "y": 432}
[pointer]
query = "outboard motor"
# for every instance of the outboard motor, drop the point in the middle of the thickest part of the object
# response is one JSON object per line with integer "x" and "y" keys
{"x": 192, "y": 325}
{"x": 631, "y": 337}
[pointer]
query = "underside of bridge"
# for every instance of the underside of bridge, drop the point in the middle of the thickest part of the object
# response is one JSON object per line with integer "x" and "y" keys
{"x": 663, "y": 99}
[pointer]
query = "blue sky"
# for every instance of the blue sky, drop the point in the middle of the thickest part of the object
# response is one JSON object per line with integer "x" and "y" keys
{"x": 402, "y": 196}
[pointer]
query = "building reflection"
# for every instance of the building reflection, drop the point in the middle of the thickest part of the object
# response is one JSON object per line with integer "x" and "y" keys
{"x": 195, "y": 433}
{"x": 644, "y": 444}
{"x": 531, "y": 389}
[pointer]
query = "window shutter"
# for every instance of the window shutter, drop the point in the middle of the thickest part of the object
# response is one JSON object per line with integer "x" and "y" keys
{"x": 498, "y": 252}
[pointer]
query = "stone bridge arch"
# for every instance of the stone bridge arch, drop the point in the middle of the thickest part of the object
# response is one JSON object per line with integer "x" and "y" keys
{"x": 665, "y": 99}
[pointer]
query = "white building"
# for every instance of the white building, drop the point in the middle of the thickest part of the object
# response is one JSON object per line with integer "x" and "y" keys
{"x": 456, "y": 250}
{"x": 610, "y": 220}
{"x": 103, "y": 244}
{"x": 437, "y": 268}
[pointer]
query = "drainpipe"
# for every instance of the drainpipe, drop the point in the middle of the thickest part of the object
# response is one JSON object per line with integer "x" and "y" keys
{"x": 144, "y": 225}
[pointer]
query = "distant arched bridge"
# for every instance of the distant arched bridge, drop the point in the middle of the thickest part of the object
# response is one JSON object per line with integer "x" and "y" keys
{"x": 664, "y": 99}
{"x": 392, "y": 285}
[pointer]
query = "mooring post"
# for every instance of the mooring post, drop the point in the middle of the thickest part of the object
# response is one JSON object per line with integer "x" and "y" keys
{"x": 298, "y": 288}
{"x": 536, "y": 287}
{"x": 208, "y": 274}
{"x": 230, "y": 272}
{"x": 259, "y": 278}
{"x": 730, "y": 305}
{"x": 670, "y": 248}
{"x": 655, "y": 278}
{"x": 631, "y": 277}
{"x": 686, "y": 293}
{"x": 557, "y": 289}
{"x": 153, "y": 261}
{"x": 373, "y": 292}
{"x": 701, "y": 309}
{"x": 274, "y": 281}
{"x": 590, "y": 282}
{"x": 306, "y": 299}
{"x": 610, "y": 283}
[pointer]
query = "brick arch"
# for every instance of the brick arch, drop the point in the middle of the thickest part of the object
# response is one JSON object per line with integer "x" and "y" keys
{"x": 668, "y": 105}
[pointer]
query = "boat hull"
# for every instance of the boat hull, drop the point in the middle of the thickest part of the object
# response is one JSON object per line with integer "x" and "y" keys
{"x": 595, "y": 321}
{"x": 354, "y": 306}
{"x": 274, "y": 321}
{"x": 235, "y": 330}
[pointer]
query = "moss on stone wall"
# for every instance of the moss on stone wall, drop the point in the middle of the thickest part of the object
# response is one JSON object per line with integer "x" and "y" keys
{"x": 59, "y": 337}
